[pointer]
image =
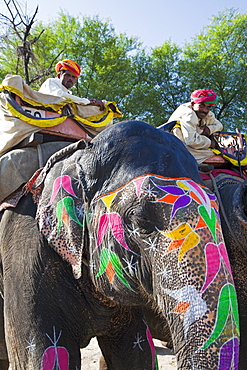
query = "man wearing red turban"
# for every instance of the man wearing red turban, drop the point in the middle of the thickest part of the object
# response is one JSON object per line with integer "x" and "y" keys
{"x": 197, "y": 123}
{"x": 68, "y": 72}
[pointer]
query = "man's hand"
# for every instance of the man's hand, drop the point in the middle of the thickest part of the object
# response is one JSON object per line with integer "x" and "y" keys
{"x": 206, "y": 131}
{"x": 98, "y": 103}
{"x": 213, "y": 144}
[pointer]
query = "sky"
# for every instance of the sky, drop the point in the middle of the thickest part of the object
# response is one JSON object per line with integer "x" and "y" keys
{"x": 152, "y": 21}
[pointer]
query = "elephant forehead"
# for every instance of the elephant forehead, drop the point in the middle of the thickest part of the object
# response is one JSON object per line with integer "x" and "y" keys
{"x": 156, "y": 202}
{"x": 157, "y": 186}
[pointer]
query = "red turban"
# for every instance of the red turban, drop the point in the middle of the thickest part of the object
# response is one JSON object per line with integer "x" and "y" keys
{"x": 68, "y": 65}
{"x": 204, "y": 96}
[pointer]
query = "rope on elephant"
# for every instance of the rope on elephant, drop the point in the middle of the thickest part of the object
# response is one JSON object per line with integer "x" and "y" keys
{"x": 222, "y": 176}
{"x": 216, "y": 190}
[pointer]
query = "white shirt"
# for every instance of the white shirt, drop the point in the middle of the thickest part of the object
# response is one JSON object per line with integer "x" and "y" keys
{"x": 53, "y": 86}
{"x": 190, "y": 131}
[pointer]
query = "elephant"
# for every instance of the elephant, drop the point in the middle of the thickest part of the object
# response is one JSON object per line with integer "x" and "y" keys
{"x": 106, "y": 230}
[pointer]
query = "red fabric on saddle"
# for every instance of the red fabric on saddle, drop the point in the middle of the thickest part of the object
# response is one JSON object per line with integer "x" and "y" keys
{"x": 216, "y": 172}
{"x": 28, "y": 186}
{"x": 12, "y": 200}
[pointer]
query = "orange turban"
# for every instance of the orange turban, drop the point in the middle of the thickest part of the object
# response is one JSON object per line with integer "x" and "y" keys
{"x": 68, "y": 65}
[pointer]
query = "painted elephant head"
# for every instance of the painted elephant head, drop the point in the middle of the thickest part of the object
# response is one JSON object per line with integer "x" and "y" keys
{"x": 133, "y": 206}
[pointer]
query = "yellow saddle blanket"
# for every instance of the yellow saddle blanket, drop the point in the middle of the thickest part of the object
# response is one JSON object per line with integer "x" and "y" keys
{"x": 24, "y": 111}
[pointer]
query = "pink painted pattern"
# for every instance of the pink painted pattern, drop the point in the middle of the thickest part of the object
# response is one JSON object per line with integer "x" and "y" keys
{"x": 55, "y": 358}
{"x": 214, "y": 254}
{"x": 65, "y": 183}
{"x": 151, "y": 344}
{"x": 114, "y": 222}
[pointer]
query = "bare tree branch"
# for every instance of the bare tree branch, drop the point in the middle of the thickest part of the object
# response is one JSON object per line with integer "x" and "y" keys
{"x": 49, "y": 70}
{"x": 22, "y": 24}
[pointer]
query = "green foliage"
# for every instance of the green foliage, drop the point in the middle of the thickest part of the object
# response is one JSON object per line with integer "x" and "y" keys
{"x": 105, "y": 58}
{"x": 146, "y": 85}
{"x": 8, "y": 54}
{"x": 158, "y": 84}
{"x": 217, "y": 59}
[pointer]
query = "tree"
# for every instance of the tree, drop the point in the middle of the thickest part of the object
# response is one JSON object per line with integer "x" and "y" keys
{"x": 107, "y": 60}
{"x": 19, "y": 26}
{"x": 18, "y": 40}
{"x": 157, "y": 84}
{"x": 145, "y": 85}
{"x": 217, "y": 60}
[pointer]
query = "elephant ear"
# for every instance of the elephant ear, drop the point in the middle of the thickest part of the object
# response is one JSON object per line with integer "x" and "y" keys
{"x": 56, "y": 157}
{"x": 60, "y": 209}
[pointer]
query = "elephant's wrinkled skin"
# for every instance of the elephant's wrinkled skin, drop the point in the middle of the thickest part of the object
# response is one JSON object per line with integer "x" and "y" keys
{"x": 46, "y": 307}
{"x": 129, "y": 215}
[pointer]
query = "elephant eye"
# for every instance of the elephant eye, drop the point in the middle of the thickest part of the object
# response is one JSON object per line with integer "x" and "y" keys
{"x": 129, "y": 215}
{"x": 140, "y": 216}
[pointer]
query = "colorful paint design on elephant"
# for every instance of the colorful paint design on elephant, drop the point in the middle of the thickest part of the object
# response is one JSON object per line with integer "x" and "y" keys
{"x": 179, "y": 194}
{"x": 62, "y": 219}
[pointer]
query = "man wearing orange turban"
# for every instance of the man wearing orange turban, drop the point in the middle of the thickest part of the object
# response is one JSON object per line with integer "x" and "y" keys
{"x": 197, "y": 123}
{"x": 67, "y": 73}
{"x": 68, "y": 65}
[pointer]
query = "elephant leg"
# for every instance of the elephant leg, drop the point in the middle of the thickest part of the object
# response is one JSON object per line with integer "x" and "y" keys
{"x": 158, "y": 326}
{"x": 40, "y": 302}
{"x": 243, "y": 343}
{"x": 242, "y": 304}
{"x": 42, "y": 329}
{"x": 102, "y": 364}
{"x": 129, "y": 345}
{"x": 4, "y": 362}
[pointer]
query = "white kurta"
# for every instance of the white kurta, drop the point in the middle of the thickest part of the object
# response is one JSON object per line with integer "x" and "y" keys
{"x": 190, "y": 131}
{"x": 53, "y": 86}
{"x": 16, "y": 166}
